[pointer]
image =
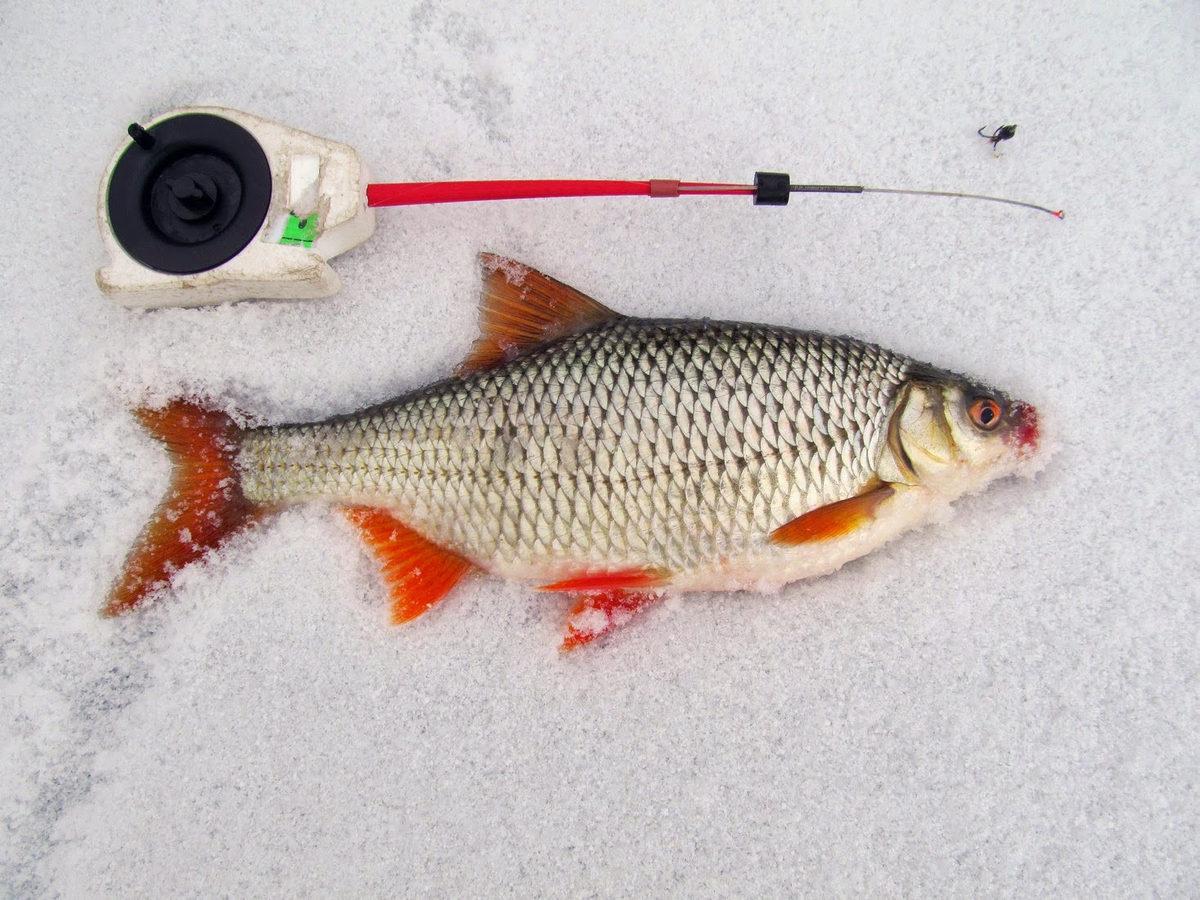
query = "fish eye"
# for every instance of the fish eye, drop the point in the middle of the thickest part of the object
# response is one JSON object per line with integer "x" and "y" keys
{"x": 985, "y": 414}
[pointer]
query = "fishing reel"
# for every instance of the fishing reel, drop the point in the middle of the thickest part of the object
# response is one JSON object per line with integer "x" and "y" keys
{"x": 208, "y": 205}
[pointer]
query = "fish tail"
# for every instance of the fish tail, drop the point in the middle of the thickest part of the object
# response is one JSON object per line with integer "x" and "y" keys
{"x": 204, "y": 507}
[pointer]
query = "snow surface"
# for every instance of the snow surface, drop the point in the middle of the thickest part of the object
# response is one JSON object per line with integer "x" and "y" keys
{"x": 1005, "y": 704}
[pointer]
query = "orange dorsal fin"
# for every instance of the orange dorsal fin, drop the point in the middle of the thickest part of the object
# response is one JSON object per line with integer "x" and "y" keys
{"x": 203, "y": 508}
{"x": 601, "y": 613}
{"x": 418, "y": 572}
{"x": 597, "y": 582}
{"x": 834, "y": 520}
{"x": 520, "y": 309}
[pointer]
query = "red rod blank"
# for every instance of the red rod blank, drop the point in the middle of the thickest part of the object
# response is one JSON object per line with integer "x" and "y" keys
{"x": 422, "y": 192}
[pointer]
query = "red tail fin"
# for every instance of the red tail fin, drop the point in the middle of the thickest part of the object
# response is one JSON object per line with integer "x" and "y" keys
{"x": 203, "y": 508}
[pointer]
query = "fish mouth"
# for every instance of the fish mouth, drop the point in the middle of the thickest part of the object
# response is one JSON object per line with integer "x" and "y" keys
{"x": 1025, "y": 432}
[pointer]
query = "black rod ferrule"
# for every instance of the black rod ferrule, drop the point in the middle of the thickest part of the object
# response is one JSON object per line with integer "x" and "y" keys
{"x": 772, "y": 188}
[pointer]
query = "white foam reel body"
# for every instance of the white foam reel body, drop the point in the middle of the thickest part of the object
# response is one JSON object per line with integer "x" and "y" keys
{"x": 317, "y": 210}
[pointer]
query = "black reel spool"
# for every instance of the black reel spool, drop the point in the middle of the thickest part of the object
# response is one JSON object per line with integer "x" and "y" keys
{"x": 189, "y": 194}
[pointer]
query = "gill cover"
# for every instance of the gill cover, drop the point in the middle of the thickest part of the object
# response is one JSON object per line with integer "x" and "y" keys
{"x": 919, "y": 435}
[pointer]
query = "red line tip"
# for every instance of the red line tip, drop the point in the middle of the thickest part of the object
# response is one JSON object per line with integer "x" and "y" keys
{"x": 1060, "y": 213}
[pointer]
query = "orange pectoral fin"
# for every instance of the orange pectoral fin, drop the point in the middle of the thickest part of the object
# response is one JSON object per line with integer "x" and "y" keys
{"x": 598, "y": 614}
{"x": 834, "y": 520}
{"x": 418, "y": 572}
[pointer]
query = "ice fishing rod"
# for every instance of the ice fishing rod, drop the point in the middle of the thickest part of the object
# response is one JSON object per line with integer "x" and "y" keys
{"x": 768, "y": 189}
{"x": 207, "y": 205}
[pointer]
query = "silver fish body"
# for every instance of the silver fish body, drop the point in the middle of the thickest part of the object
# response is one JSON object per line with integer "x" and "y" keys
{"x": 663, "y": 444}
{"x": 607, "y": 455}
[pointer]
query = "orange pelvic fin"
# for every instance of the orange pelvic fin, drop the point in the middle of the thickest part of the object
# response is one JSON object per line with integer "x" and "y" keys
{"x": 600, "y": 613}
{"x": 520, "y": 308}
{"x": 418, "y": 572}
{"x": 834, "y": 520}
{"x": 203, "y": 508}
{"x": 623, "y": 580}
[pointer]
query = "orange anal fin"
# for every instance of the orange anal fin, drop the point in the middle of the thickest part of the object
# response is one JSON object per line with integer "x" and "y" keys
{"x": 418, "y": 572}
{"x": 520, "y": 308}
{"x": 834, "y": 520}
{"x": 624, "y": 579}
{"x": 203, "y": 508}
{"x": 598, "y": 614}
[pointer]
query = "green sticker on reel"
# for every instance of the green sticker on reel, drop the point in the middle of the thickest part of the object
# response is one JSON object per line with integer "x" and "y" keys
{"x": 300, "y": 231}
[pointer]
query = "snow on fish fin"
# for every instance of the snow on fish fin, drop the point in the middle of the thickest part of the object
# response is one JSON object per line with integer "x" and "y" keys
{"x": 418, "y": 572}
{"x": 600, "y": 613}
{"x": 835, "y": 519}
{"x": 610, "y": 599}
{"x": 203, "y": 508}
{"x": 520, "y": 308}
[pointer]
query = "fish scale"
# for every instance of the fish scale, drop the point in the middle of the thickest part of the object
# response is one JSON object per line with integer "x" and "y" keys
{"x": 637, "y": 443}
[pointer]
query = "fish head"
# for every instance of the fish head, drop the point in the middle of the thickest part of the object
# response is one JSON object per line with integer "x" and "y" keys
{"x": 950, "y": 433}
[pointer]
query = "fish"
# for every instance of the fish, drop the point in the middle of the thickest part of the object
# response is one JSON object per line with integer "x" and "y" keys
{"x": 612, "y": 459}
